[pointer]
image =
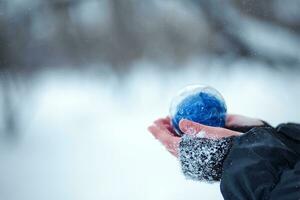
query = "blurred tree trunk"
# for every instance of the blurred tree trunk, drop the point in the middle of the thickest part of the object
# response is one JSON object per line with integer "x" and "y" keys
{"x": 125, "y": 45}
{"x": 247, "y": 36}
{"x": 9, "y": 113}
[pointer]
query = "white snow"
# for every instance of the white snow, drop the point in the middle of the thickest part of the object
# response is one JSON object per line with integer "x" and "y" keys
{"x": 201, "y": 134}
{"x": 83, "y": 135}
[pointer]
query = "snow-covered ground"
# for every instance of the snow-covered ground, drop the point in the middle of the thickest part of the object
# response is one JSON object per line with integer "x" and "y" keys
{"x": 83, "y": 134}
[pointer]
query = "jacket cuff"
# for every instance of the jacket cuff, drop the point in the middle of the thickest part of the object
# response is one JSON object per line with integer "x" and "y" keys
{"x": 202, "y": 158}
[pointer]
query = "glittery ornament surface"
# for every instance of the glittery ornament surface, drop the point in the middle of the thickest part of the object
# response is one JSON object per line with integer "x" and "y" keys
{"x": 202, "y": 104}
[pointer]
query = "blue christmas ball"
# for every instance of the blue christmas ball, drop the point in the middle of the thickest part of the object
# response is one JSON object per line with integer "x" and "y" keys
{"x": 201, "y": 104}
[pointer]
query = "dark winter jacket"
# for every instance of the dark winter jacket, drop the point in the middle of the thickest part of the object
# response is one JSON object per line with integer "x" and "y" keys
{"x": 263, "y": 163}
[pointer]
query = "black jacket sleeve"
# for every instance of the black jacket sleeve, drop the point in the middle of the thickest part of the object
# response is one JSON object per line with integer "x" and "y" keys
{"x": 264, "y": 163}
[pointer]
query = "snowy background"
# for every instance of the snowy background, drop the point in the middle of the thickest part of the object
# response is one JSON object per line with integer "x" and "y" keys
{"x": 82, "y": 80}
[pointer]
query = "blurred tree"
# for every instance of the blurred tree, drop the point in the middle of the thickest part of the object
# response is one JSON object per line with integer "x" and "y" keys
{"x": 251, "y": 37}
{"x": 35, "y": 35}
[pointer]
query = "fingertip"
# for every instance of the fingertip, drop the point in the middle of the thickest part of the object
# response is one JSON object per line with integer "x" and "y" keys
{"x": 183, "y": 122}
{"x": 162, "y": 121}
{"x": 182, "y": 125}
{"x": 149, "y": 128}
{"x": 187, "y": 127}
{"x": 229, "y": 119}
{"x": 153, "y": 129}
{"x": 157, "y": 120}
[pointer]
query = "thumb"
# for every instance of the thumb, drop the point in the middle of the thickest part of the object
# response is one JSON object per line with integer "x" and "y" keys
{"x": 191, "y": 128}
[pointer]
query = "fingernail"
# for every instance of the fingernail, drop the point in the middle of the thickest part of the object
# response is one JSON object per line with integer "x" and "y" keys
{"x": 190, "y": 130}
{"x": 183, "y": 122}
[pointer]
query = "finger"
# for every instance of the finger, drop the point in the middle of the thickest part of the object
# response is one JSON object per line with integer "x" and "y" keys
{"x": 219, "y": 133}
{"x": 200, "y": 130}
{"x": 168, "y": 119}
{"x": 229, "y": 119}
{"x": 160, "y": 134}
{"x": 233, "y": 120}
{"x": 192, "y": 128}
{"x": 165, "y": 120}
{"x": 156, "y": 132}
{"x": 171, "y": 130}
{"x": 173, "y": 147}
{"x": 160, "y": 122}
{"x": 173, "y": 152}
{"x": 170, "y": 143}
{"x": 166, "y": 127}
{"x": 240, "y": 121}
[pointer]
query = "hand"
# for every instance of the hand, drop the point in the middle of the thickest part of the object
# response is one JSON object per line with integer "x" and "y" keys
{"x": 163, "y": 131}
{"x": 242, "y": 124}
{"x": 241, "y": 121}
{"x": 199, "y": 130}
{"x": 202, "y": 149}
{"x": 232, "y": 122}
